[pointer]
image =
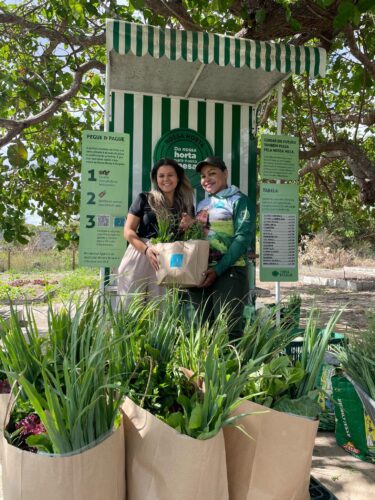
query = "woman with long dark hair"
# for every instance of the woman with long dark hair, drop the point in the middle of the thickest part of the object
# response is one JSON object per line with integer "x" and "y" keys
{"x": 170, "y": 198}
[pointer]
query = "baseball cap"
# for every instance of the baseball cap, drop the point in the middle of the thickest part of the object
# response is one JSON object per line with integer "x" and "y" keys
{"x": 215, "y": 161}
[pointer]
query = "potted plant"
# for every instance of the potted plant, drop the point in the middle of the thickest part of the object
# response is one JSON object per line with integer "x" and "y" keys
{"x": 182, "y": 257}
{"x": 173, "y": 424}
{"x": 279, "y": 456}
{"x": 65, "y": 434}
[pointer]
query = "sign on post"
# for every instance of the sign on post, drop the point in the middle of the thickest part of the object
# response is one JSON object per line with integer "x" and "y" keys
{"x": 279, "y": 232}
{"x": 279, "y": 157}
{"x": 104, "y": 195}
{"x": 279, "y": 209}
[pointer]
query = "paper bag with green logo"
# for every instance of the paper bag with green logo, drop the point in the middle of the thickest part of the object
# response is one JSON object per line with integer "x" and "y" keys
{"x": 162, "y": 464}
{"x": 275, "y": 463}
{"x": 182, "y": 262}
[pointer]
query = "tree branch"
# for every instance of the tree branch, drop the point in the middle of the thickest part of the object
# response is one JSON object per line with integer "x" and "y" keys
{"x": 50, "y": 33}
{"x": 363, "y": 169}
{"x": 315, "y": 165}
{"x": 175, "y": 8}
{"x": 366, "y": 118}
{"x": 354, "y": 49}
{"x": 314, "y": 21}
{"x": 15, "y": 127}
{"x": 272, "y": 101}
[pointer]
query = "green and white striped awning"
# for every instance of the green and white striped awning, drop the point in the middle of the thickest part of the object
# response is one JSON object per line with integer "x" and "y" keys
{"x": 154, "y": 60}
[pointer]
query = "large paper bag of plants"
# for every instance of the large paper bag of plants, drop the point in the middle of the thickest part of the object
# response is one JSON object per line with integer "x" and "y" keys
{"x": 182, "y": 262}
{"x": 97, "y": 473}
{"x": 162, "y": 464}
{"x": 355, "y": 422}
{"x": 275, "y": 462}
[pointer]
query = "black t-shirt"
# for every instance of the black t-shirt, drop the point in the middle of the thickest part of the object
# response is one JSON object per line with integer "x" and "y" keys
{"x": 148, "y": 224}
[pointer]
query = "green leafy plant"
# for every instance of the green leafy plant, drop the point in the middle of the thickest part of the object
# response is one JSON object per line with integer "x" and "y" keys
{"x": 195, "y": 231}
{"x": 291, "y": 386}
{"x": 262, "y": 338}
{"x": 187, "y": 374}
{"x": 165, "y": 228}
{"x": 357, "y": 358}
{"x": 217, "y": 393}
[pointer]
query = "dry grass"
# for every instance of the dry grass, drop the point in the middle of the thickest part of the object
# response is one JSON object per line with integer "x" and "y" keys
{"x": 325, "y": 250}
{"x": 23, "y": 259}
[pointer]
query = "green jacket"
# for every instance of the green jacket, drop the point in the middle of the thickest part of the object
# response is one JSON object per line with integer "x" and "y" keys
{"x": 226, "y": 216}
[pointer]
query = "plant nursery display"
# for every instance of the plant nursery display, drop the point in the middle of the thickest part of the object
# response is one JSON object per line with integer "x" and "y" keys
{"x": 152, "y": 399}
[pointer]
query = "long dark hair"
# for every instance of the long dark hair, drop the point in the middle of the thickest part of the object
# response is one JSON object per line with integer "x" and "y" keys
{"x": 183, "y": 195}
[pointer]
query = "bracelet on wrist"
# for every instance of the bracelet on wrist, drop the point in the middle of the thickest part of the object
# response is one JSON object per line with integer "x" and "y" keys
{"x": 147, "y": 247}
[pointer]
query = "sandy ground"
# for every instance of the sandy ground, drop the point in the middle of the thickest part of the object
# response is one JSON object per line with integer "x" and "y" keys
{"x": 356, "y": 304}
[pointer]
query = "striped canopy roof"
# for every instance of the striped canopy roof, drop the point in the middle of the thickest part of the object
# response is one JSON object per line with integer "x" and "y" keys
{"x": 150, "y": 59}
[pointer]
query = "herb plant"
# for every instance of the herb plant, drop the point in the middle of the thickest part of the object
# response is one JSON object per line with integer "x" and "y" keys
{"x": 357, "y": 358}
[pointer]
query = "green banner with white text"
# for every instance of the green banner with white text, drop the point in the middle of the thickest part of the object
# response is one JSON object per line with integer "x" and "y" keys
{"x": 104, "y": 198}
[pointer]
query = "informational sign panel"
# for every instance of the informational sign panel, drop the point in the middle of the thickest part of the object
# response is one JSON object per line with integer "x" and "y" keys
{"x": 104, "y": 196}
{"x": 187, "y": 147}
{"x": 279, "y": 157}
{"x": 279, "y": 232}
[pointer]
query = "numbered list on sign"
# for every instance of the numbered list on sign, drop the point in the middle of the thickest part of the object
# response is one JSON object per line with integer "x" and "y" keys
{"x": 278, "y": 240}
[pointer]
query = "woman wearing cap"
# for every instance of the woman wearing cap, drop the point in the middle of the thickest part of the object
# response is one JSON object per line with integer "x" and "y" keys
{"x": 226, "y": 216}
{"x": 172, "y": 197}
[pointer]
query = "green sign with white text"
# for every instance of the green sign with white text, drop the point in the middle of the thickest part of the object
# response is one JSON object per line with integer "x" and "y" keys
{"x": 279, "y": 232}
{"x": 104, "y": 196}
{"x": 279, "y": 157}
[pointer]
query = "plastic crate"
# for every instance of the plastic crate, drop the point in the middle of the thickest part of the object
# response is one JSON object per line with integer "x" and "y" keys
{"x": 319, "y": 492}
{"x": 294, "y": 349}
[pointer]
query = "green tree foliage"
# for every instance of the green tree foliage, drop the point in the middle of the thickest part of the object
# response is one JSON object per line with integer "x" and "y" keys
{"x": 52, "y": 66}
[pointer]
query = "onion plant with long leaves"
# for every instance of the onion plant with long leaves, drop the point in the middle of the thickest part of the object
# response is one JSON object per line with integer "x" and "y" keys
{"x": 129, "y": 325}
{"x": 262, "y": 338}
{"x": 315, "y": 344}
{"x": 164, "y": 318}
{"x": 217, "y": 394}
{"x": 357, "y": 358}
{"x": 80, "y": 395}
{"x": 22, "y": 348}
{"x": 197, "y": 337}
